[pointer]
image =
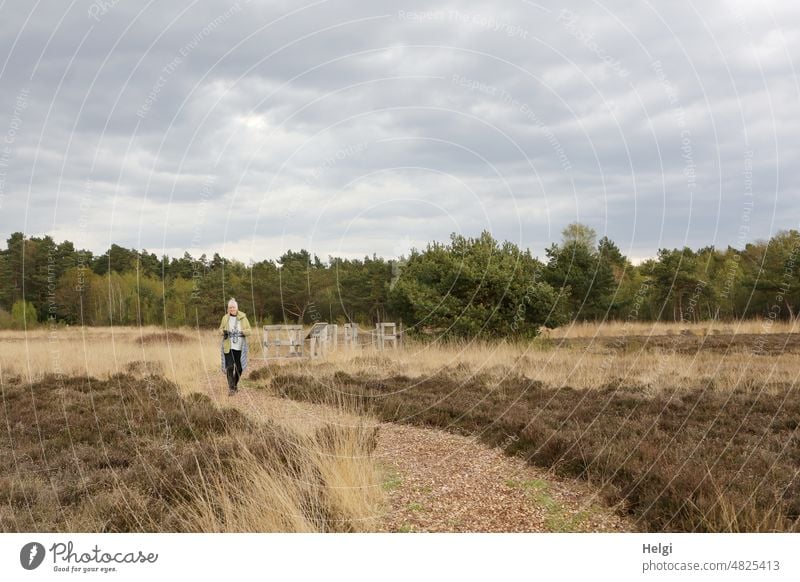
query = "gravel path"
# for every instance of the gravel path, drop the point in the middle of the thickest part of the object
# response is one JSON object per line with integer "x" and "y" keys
{"x": 441, "y": 482}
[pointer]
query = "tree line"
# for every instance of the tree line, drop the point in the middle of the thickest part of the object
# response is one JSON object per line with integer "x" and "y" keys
{"x": 465, "y": 287}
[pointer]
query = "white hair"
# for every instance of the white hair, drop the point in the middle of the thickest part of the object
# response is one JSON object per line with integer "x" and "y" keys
{"x": 232, "y": 301}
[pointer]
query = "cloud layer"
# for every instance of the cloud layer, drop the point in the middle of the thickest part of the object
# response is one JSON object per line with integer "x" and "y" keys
{"x": 353, "y": 128}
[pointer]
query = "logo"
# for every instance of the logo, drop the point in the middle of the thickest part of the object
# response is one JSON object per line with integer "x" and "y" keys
{"x": 31, "y": 555}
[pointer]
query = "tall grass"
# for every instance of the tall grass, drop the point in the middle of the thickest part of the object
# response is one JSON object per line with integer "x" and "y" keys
{"x": 190, "y": 357}
{"x": 581, "y": 376}
{"x": 123, "y": 439}
{"x": 582, "y": 367}
{"x": 616, "y": 328}
{"x": 683, "y": 460}
{"x": 185, "y": 356}
{"x": 333, "y": 487}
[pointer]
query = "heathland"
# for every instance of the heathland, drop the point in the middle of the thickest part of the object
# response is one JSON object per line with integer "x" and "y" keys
{"x": 674, "y": 427}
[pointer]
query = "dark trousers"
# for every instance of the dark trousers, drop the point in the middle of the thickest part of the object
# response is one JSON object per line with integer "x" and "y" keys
{"x": 233, "y": 367}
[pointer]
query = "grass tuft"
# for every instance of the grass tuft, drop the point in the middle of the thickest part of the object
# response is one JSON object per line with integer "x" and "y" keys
{"x": 130, "y": 454}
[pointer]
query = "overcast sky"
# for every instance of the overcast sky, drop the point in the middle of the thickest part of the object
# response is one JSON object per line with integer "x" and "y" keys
{"x": 351, "y": 128}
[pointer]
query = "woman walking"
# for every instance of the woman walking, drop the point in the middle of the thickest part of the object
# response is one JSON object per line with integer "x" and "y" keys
{"x": 235, "y": 329}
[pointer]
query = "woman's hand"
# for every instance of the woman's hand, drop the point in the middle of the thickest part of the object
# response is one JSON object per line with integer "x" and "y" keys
{"x": 225, "y": 334}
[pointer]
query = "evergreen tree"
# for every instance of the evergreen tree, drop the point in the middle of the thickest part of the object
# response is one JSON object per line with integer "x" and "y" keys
{"x": 475, "y": 288}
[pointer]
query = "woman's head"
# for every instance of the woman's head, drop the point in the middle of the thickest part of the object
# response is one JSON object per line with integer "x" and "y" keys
{"x": 233, "y": 307}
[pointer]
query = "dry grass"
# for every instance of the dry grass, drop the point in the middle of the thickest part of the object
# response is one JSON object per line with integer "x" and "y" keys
{"x": 234, "y": 473}
{"x": 590, "y": 360}
{"x": 131, "y": 454}
{"x": 614, "y": 328}
{"x": 581, "y": 367}
{"x": 333, "y": 486}
{"x": 580, "y": 375}
{"x": 692, "y": 432}
{"x": 682, "y": 460}
{"x": 187, "y": 357}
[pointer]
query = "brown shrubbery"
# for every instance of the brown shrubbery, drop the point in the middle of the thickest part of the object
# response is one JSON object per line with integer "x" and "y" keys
{"x": 688, "y": 341}
{"x": 130, "y": 454}
{"x": 690, "y": 460}
{"x": 164, "y": 337}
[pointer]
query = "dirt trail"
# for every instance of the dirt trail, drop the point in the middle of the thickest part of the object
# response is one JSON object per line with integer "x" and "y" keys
{"x": 441, "y": 482}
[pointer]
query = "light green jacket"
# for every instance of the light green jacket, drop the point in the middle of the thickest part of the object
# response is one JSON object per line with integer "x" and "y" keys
{"x": 244, "y": 327}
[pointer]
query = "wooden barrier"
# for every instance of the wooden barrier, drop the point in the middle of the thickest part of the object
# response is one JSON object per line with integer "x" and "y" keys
{"x": 333, "y": 336}
{"x": 283, "y": 341}
{"x": 386, "y": 335}
{"x": 318, "y": 340}
{"x": 351, "y": 335}
{"x": 290, "y": 341}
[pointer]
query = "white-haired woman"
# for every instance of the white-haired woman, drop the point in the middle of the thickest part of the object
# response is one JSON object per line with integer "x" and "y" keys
{"x": 235, "y": 329}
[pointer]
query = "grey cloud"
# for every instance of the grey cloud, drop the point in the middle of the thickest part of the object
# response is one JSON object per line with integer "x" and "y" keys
{"x": 303, "y": 122}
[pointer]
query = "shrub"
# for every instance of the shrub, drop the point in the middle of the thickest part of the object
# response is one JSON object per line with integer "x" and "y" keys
{"x": 6, "y": 321}
{"x": 23, "y": 315}
{"x": 130, "y": 454}
{"x": 475, "y": 288}
{"x": 697, "y": 460}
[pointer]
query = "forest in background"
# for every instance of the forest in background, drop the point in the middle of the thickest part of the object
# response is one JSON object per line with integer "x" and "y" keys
{"x": 465, "y": 287}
